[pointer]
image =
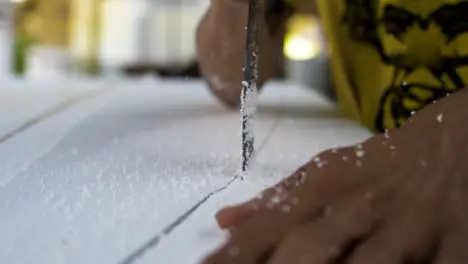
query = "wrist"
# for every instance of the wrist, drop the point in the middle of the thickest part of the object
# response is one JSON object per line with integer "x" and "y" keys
{"x": 454, "y": 110}
{"x": 443, "y": 120}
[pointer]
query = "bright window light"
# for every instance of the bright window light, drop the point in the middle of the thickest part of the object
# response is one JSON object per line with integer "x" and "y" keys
{"x": 303, "y": 40}
{"x": 300, "y": 48}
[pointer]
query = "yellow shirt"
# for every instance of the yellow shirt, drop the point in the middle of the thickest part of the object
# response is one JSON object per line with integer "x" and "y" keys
{"x": 390, "y": 58}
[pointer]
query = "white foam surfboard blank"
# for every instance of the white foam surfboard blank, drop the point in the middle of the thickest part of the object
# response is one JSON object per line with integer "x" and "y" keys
{"x": 92, "y": 183}
{"x": 96, "y": 181}
{"x": 22, "y": 101}
{"x": 306, "y": 124}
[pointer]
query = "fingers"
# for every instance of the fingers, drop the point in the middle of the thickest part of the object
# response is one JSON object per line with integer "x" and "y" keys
{"x": 327, "y": 239}
{"x": 231, "y": 216}
{"x": 254, "y": 239}
{"x": 235, "y": 215}
{"x": 400, "y": 240}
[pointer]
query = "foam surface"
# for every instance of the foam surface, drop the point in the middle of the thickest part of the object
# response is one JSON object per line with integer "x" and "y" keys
{"x": 96, "y": 181}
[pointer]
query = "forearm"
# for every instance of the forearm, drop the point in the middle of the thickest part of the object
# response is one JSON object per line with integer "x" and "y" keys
{"x": 220, "y": 46}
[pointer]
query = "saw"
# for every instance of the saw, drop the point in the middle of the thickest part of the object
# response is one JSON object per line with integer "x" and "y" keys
{"x": 249, "y": 85}
{"x": 273, "y": 15}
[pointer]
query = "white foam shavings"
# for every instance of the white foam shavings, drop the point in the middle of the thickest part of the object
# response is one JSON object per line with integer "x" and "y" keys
{"x": 275, "y": 199}
{"x": 360, "y": 153}
{"x": 302, "y": 173}
{"x": 302, "y": 176}
{"x": 439, "y": 118}
{"x": 321, "y": 164}
{"x": 248, "y": 111}
{"x": 386, "y": 134}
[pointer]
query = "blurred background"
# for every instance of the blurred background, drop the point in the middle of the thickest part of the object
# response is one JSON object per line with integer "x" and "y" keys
{"x": 56, "y": 38}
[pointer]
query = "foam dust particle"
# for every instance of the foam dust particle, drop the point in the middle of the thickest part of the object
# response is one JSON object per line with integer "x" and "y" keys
{"x": 303, "y": 173}
{"x": 360, "y": 153}
{"x": 285, "y": 208}
{"x": 321, "y": 164}
{"x": 248, "y": 111}
{"x": 275, "y": 199}
{"x": 358, "y": 163}
{"x": 345, "y": 158}
{"x": 439, "y": 118}
{"x": 302, "y": 176}
{"x": 386, "y": 134}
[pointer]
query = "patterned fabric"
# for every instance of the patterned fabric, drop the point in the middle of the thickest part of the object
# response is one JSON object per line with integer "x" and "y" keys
{"x": 390, "y": 58}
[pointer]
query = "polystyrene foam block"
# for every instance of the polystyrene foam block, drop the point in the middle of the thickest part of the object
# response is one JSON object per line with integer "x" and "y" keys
{"x": 95, "y": 182}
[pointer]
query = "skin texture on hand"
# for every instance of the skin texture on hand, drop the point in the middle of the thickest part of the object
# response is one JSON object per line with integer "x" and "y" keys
{"x": 397, "y": 198}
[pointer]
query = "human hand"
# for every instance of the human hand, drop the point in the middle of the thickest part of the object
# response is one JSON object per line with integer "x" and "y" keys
{"x": 401, "y": 198}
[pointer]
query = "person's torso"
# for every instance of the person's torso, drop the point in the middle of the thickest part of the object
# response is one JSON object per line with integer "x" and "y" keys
{"x": 390, "y": 58}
